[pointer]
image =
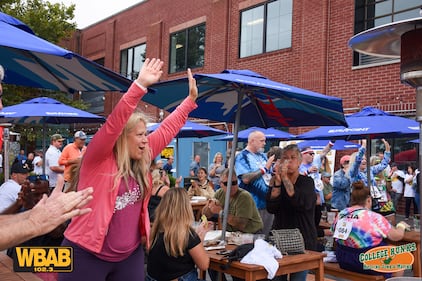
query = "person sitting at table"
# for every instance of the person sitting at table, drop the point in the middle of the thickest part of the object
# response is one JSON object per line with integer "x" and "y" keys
{"x": 201, "y": 186}
{"x": 159, "y": 188}
{"x": 243, "y": 214}
{"x": 358, "y": 229}
{"x": 176, "y": 248}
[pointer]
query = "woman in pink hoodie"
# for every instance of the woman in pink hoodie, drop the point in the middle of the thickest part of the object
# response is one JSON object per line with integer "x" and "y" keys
{"x": 109, "y": 242}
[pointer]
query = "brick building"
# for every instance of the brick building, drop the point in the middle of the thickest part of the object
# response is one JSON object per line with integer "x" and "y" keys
{"x": 302, "y": 43}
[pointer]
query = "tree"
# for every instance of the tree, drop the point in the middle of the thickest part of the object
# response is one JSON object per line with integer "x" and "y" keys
{"x": 52, "y": 22}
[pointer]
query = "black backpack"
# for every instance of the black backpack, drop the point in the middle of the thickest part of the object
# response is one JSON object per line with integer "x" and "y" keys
{"x": 237, "y": 254}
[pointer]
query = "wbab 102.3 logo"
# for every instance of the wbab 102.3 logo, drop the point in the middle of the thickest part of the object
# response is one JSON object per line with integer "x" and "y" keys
{"x": 388, "y": 259}
{"x": 43, "y": 259}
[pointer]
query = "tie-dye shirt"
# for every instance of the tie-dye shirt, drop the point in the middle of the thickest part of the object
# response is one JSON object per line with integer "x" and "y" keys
{"x": 368, "y": 228}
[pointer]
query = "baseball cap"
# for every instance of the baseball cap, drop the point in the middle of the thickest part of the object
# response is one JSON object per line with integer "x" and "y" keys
{"x": 19, "y": 168}
{"x": 80, "y": 135}
{"x": 57, "y": 137}
{"x": 326, "y": 175}
{"x": 344, "y": 159}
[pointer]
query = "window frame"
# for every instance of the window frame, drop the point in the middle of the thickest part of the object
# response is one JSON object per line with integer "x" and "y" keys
{"x": 130, "y": 55}
{"x": 265, "y": 39}
{"x": 172, "y": 67}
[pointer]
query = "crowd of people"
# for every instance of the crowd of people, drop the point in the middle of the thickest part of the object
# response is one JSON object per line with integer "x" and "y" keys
{"x": 114, "y": 204}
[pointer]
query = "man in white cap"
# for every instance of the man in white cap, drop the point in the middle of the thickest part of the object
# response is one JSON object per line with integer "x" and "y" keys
{"x": 72, "y": 155}
{"x": 52, "y": 155}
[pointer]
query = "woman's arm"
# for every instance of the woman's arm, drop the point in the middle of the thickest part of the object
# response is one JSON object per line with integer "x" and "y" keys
{"x": 200, "y": 257}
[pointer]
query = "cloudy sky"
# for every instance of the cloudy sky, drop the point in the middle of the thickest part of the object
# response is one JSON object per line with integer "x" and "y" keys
{"x": 88, "y": 12}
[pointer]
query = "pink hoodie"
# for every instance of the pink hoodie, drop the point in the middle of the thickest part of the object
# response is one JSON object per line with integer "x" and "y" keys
{"x": 99, "y": 167}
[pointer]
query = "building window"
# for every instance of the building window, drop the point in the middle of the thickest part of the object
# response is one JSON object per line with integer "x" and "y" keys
{"x": 373, "y": 13}
{"x": 187, "y": 48}
{"x": 266, "y": 28}
{"x": 131, "y": 60}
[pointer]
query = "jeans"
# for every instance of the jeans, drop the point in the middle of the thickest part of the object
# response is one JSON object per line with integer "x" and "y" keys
{"x": 190, "y": 276}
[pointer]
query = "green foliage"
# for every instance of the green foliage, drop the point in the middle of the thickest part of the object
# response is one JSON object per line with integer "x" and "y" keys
{"x": 52, "y": 22}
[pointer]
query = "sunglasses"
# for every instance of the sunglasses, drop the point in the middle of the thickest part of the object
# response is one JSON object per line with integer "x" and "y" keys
{"x": 226, "y": 182}
{"x": 34, "y": 178}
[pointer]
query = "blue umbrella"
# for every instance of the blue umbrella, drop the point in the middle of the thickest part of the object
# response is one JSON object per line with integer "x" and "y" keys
{"x": 34, "y": 62}
{"x": 45, "y": 111}
{"x": 190, "y": 130}
{"x": 246, "y": 97}
{"x": 368, "y": 123}
{"x": 371, "y": 122}
{"x": 258, "y": 100}
{"x": 270, "y": 133}
{"x": 320, "y": 144}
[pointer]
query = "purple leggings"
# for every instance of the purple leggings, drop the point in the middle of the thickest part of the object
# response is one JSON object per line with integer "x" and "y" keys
{"x": 87, "y": 266}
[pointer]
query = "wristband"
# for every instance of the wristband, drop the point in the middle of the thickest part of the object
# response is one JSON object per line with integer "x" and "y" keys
{"x": 262, "y": 171}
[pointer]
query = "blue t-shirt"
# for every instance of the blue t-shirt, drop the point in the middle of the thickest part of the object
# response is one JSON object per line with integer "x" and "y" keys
{"x": 247, "y": 162}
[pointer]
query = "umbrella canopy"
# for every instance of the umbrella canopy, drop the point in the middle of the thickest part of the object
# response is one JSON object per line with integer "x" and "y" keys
{"x": 246, "y": 97}
{"x": 270, "y": 133}
{"x": 320, "y": 144}
{"x": 262, "y": 102}
{"x": 192, "y": 130}
{"x": 34, "y": 62}
{"x": 371, "y": 122}
{"x": 44, "y": 111}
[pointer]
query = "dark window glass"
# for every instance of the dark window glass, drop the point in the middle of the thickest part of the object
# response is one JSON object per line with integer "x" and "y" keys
{"x": 187, "y": 48}
{"x": 131, "y": 60}
{"x": 266, "y": 28}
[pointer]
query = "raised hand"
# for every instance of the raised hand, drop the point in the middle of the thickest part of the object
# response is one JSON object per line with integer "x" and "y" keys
{"x": 193, "y": 89}
{"x": 150, "y": 72}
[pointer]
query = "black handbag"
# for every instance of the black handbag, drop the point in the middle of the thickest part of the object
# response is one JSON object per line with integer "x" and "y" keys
{"x": 288, "y": 241}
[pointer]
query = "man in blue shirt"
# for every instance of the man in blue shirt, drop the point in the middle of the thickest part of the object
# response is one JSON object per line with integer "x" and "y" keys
{"x": 253, "y": 170}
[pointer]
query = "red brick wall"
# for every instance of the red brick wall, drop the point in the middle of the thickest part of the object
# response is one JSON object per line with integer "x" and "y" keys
{"x": 318, "y": 60}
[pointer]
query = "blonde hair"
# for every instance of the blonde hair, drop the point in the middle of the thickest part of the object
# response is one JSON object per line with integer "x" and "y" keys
{"x": 216, "y": 155}
{"x": 156, "y": 177}
{"x": 127, "y": 167}
{"x": 173, "y": 217}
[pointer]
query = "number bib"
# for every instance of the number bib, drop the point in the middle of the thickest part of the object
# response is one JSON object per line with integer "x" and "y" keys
{"x": 343, "y": 229}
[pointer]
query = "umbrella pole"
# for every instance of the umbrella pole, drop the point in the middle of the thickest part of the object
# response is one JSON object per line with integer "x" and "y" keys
{"x": 43, "y": 146}
{"x": 419, "y": 119}
{"x": 231, "y": 167}
{"x": 368, "y": 164}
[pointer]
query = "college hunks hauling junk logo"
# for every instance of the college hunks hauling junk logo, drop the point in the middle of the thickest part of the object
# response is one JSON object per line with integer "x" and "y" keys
{"x": 388, "y": 259}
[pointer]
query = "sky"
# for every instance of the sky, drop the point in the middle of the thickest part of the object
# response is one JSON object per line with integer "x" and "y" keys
{"x": 88, "y": 12}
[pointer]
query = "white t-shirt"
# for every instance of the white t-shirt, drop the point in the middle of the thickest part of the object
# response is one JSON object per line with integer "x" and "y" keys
{"x": 397, "y": 184}
{"x": 8, "y": 194}
{"x": 408, "y": 189}
{"x": 37, "y": 169}
{"x": 52, "y": 160}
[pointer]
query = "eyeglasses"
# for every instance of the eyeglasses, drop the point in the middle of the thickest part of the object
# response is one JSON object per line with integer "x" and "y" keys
{"x": 226, "y": 182}
{"x": 34, "y": 178}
